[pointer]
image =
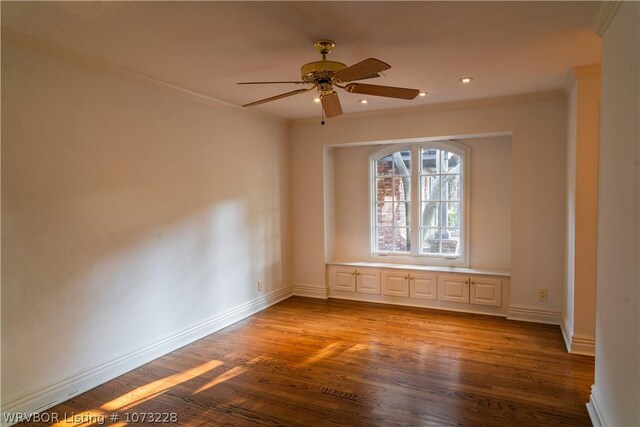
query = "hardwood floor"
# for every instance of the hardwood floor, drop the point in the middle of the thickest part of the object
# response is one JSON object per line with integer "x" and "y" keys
{"x": 314, "y": 362}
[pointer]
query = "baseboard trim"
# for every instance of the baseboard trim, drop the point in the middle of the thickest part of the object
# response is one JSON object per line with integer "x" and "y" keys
{"x": 310, "y": 291}
{"x": 583, "y": 345}
{"x": 46, "y": 396}
{"x": 566, "y": 334}
{"x": 597, "y": 412}
{"x": 577, "y": 344}
{"x": 534, "y": 314}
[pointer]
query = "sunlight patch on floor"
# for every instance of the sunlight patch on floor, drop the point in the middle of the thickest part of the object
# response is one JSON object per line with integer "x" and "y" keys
{"x": 321, "y": 354}
{"x": 231, "y": 373}
{"x": 137, "y": 396}
{"x": 149, "y": 391}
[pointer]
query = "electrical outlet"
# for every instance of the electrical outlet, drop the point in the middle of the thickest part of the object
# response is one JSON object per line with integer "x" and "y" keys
{"x": 542, "y": 295}
{"x": 260, "y": 286}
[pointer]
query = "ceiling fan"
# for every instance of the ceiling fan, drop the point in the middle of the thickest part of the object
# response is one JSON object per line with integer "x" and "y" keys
{"x": 324, "y": 75}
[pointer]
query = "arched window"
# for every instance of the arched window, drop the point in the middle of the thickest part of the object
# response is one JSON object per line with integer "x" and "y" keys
{"x": 419, "y": 208}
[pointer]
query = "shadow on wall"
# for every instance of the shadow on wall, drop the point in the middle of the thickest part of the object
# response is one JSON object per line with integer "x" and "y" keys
{"x": 129, "y": 214}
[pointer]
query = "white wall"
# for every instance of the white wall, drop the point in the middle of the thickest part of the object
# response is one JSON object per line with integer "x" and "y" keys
{"x": 616, "y": 392}
{"x": 583, "y": 118}
{"x": 130, "y": 214}
{"x": 490, "y": 207}
{"x": 572, "y": 119}
{"x": 538, "y": 126}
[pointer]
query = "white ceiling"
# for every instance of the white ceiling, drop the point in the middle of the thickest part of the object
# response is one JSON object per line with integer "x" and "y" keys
{"x": 206, "y": 47}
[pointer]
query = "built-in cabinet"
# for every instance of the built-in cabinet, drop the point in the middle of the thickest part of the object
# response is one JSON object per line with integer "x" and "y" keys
{"x": 412, "y": 284}
{"x": 472, "y": 291}
{"x": 362, "y": 280}
{"x": 477, "y": 290}
{"x": 423, "y": 286}
{"x": 454, "y": 288}
{"x": 395, "y": 283}
{"x": 485, "y": 291}
{"x": 368, "y": 281}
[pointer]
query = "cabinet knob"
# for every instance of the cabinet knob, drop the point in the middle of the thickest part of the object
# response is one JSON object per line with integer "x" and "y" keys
{"x": 406, "y": 277}
{"x": 353, "y": 273}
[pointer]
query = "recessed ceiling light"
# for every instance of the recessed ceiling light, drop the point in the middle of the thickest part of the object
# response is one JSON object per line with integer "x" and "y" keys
{"x": 466, "y": 80}
{"x": 316, "y": 99}
{"x": 422, "y": 94}
{"x": 363, "y": 101}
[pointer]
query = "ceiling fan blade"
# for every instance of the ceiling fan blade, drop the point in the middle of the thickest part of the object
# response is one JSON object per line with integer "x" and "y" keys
{"x": 372, "y": 76}
{"x": 271, "y": 83}
{"x": 331, "y": 105}
{"x": 273, "y": 98}
{"x": 388, "y": 91}
{"x": 361, "y": 70}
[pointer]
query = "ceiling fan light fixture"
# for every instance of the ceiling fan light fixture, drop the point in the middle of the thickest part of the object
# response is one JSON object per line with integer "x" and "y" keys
{"x": 466, "y": 80}
{"x": 363, "y": 101}
{"x": 422, "y": 94}
{"x": 316, "y": 99}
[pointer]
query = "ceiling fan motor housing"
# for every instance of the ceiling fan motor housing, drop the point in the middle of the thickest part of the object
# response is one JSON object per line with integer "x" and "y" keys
{"x": 315, "y": 72}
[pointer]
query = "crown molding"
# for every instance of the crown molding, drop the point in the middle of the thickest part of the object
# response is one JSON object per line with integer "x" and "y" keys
{"x": 603, "y": 17}
{"x": 583, "y": 72}
{"x": 23, "y": 41}
{"x": 591, "y": 71}
{"x": 469, "y": 104}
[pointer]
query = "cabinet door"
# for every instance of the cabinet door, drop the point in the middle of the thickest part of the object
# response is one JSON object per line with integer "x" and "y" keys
{"x": 395, "y": 283}
{"x": 453, "y": 288}
{"x": 368, "y": 281}
{"x": 343, "y": 279}
{"x": 423, "y": 286}
{"x": 486, "y": 291}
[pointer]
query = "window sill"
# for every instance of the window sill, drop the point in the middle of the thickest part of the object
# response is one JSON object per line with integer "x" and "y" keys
{"x": 460, "y": 270}
{"x": 418, "y": 260}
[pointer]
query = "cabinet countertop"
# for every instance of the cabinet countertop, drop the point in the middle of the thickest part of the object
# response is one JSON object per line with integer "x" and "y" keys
{"x": 457, "y": 270}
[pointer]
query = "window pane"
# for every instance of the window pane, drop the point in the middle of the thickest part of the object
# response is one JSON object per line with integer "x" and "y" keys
{"x": 431, "y": 214}
{"x": 384, "y": 238}
{"x": 384, "y": 189}
{"x": 451, "y": 187}
{"x": 384, "y": 214}
{"x": 451, "y": 241}
{"x": 402, "y": 163}
{"x": 402, "y": 215}
{"x": 450, "y": 162}
{"x": 440, "y": 202}
{"x": 453, "y": 214}
{"x": 384, "y": 166}
{"x": 430, "y": 161}
{"x": 402, "y": 190}
{"x": 402, "y": 241}
{"x": 430, "y": 241}
{"x": 431, "y": 187}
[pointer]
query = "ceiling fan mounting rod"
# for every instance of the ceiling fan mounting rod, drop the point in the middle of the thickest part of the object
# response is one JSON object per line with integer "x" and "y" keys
{"x": 324, "y": 47}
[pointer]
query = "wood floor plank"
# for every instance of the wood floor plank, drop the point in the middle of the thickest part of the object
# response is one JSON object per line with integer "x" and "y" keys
{"x": 308, "y": 362}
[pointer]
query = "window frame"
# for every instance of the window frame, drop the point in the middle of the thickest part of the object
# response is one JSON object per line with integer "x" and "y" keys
{"x": 414, "y": 256}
